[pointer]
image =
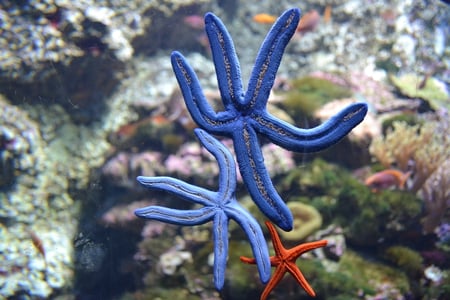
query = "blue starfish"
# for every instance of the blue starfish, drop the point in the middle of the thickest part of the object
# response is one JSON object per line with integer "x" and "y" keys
{"x": 219, "y": 207}
{"x": 245, "y": 115}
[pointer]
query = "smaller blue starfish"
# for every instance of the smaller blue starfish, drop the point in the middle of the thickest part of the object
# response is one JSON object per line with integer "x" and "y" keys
{"x": 219, "y": 207}
{"x": 245, "y": 114}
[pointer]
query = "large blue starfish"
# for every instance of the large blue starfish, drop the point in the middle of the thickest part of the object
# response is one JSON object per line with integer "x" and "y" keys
{"x": 245, "y": 115}
{"x": 219, "y": 207}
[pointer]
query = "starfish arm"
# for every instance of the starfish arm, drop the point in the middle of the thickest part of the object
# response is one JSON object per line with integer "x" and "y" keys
{"x": 255, "y": 236}
{"x": 298, "y": 275}
{"x": 220, "y": 237}
{"x": 225, "y": 61}
{"x": 276, "y": 241}
{"x": 314, "y": 139}
{"x": 176, "y": 216}
{"x": 247, "y": 260}
{"x": 273, "y": 282}
{"x": 305, "y": 247}
{"x": 268, "y": 59}
{"x": 180, "y": 188}
{"x": 257, "y": 179}
{"x": 199, "y": 108}
{"x": 227, "y": 167}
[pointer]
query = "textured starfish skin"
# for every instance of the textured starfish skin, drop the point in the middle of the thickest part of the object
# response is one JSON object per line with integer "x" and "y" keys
{"x": 219, "y": 207}
{"x": 245, "y": 114}
{"x": 284, "y": 261}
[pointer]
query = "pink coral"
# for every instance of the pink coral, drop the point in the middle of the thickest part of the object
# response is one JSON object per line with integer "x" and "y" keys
{"x": 122, "y": 215}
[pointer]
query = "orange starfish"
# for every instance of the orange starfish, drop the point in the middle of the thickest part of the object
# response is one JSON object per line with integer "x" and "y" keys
{"x": 284, "y": 261}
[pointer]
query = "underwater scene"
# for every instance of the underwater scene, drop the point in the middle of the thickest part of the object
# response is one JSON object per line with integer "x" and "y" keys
{"x": 224, "y": 149}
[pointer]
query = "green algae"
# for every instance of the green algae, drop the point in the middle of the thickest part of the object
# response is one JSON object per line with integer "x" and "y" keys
{"x": 315, "y": 178}
{"x": 341, "y": 199}
{"x": 430, "y": 90}
{"x": 351, "y": 277}
{"x": 318, "y": 183}
{"x": 369, "y": 217}
{"x": 310, "y": 93}
{"x": 407, "y": 259}
{"x": 242, "y": 280}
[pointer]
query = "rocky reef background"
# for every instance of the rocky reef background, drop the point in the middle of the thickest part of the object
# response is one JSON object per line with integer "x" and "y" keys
{"x": 89, "y": 101}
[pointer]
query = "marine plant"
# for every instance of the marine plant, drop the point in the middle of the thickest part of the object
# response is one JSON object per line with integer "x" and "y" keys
{"x": 377, "y": 216}
{"x": 428, "y": 88}
{"x": 244, "y": 118}
{"x": 405, "y": 258}
{"x": 417, "y": 148}
{"x": 310, "y": 93}
{"x": 436, "y": 194}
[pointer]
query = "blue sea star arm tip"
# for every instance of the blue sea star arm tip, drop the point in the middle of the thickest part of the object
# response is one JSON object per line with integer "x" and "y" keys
{"x": 269, "y": 58}
{"x": 256, "y": 237}
{"x": 312, "y": 139}
{"x": 227, "y": 167}
{"x": 225, "y": 60}
{"x": 196, "y": 103}
{"x": 178, "y": 187}
{"x": 176, "y": 216}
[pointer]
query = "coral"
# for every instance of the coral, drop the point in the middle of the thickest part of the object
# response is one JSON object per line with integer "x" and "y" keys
{"x": 169, "y": 261}
{"x": 306, "y": 220}
{"x": 373, "y": 277}
{"x": 50, "y": 31}
{"x": 420, "y": 149}
{"x": 19, "y": 141}
{"x": 52, "y": 160}
{"x": 76, "y": 52}
{"x": 434, "y": 274}
{"x": 436, "y": 195}
{"x": 122, "y": 169}
{"x": 191, "y": 160}
{"x": 409, "y": 119}
{"x": 438, "y": 283}
{"x": 122, "y": 215}
{"x": 29, "y": 205}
